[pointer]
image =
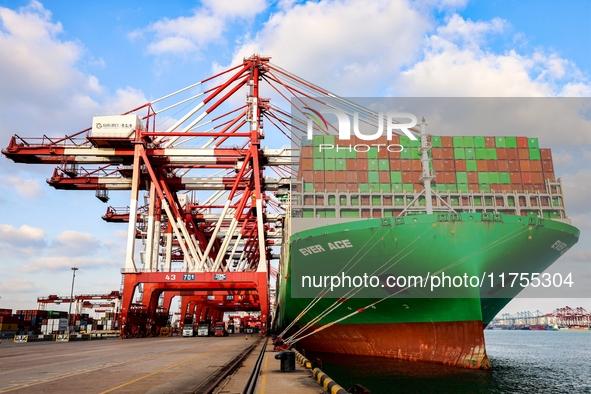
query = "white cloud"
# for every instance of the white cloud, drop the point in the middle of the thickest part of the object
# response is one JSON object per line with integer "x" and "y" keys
{"x": 576, "y": 191}
{"x": 74, "y": 243}
{"x": 455, "y": 62}
{"x": 19, "y": 285}
{"x": 24, "y": 235}
{"x": 562, "y": 158}
{"x": 29, "y": 188}
{"x": 57, "y": 263}
{"x": 207, "y": 24}
{"x": 582, "y": 222}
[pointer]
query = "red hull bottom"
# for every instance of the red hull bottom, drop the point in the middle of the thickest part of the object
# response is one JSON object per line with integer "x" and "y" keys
{"x": 459, "y": 344}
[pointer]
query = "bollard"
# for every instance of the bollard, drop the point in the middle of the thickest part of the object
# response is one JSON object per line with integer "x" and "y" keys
{"x": 287, "y": 361}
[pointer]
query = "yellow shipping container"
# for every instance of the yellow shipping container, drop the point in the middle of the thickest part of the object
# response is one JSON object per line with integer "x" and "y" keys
{"x": 8, "y": 327}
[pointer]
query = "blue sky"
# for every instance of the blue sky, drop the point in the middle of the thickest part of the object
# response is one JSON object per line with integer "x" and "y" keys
{"x": 63, "y": 64}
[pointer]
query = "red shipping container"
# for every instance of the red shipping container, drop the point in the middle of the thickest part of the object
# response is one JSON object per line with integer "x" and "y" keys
{"x": 395, "y": 140}
{"x": 549, "y": 175}
{"x": 405, "y": 165}
{"x": 450, "y": 177}
{"x": 383, "y": 152}
{"x": 5, "y": 312}
{"x": 351, "y": 176}
{"x": 512, "y": 153}
{"x": 525, "y": 165}
{"x": 539, "y": 187}
{"x": 419, "y": 187}
{"x": 449, "y": 165}
{"x": 341, "y": 177}
{"x": 528, "y": 188}
{"x": 351, "y": 164}
{"x": 547, "y": 166}
{"x": 495, "y": 187}
{"x": 472, "y": 177}
{"x": 536, "y": 166}
{"x": 394, "y": 165}
{"x": 308, "y": 176}
{"x": 407, "y": 177}
{"x": 394, "y": 155}
{"x": 501, "y": 153}
{"x": 437, "y": 153}
{"x": 361, "y": 155}
{"x": 503, "y": 165}
{"x": 537, "y": 177}
{"x": 515, "y": 177}
{"x": 341, "y": 187}
{"x": 526, "y": 178}
{"x": 307, "y": 164}
{"x": 513, "y": 165}
{"x": 517, "y": 187}
{"x": 362, "y": 164}
{"x": 473, "y": 187}
{"x": 330, "y": 187}
{"x": 438, "y": 165}
{"x": 522, "y": 142}
{"x": 417, "y": 165}
{"x": 365, "y": 213}
{"x": 546, "y": 154}
{"x": 330, "y": 177}
{"x": 447, "y": 153}
{"x": 506, "y": 188}
{"x": 489, "y": 142}
{"x": 446, "y": 142}
{"x": 492, "y": 166}
{"x": 353, "y": 187}
{"x": 482, "y": 165}
{"x": 460, "y": 165}
{"x": 307, "y": 152}
{"x": 384, "y": 177}
{"x": 439, "y": 177}
{"x": 382, "y": 140}
{"x": 523, "y": 154}
{"x": 319, "y": 176}
{"x": 362, "y": 176}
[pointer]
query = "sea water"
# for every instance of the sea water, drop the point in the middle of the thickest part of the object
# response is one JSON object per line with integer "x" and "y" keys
{"x": 522, "y": 362}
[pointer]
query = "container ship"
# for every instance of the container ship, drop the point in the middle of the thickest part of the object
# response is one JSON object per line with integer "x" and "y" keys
{"x": 470, "y": 205}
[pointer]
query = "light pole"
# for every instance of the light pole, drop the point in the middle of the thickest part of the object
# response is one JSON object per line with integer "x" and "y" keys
{"x": 74, "y": 269}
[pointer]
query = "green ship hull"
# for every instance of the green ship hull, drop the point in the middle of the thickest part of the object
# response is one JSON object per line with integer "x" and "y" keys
{"x": 416, "y": 323}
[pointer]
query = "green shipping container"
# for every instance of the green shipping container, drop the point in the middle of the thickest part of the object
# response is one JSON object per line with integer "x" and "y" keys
{"x": 491, "y": 154}
{"x": 329, "y": 139}
{"x": 415, "y": 143}
{"x": 500, "y": 141}
{"x": 471, "y": 165}
{"x": 372, "y": 153}
{"x": 405, "y": 154}
{"x": 458, "y": 142}
{"x": 505, "y": 178}
{"x": 349, "y": 213}
{"x": 308, "y": 187}
{"x": 340, "y": 154}
{"x": 483, "y": 177}
{"x": 532, "y": 142}
{"x": 351, "y": 154}
{"x": 308, "y": 213}
{"x": 329, "y": 153}
{"x": 384, "y": 164}
{"x": 459, "y": 153}
{"x": 374, "y": 177}
{"x": 363, "y": 188}
{"x": 398, "y": 201}
{"x": 463, "y": 188}
{"x": 511, "y": 142}
{"x": 481, "y": 153}
{"x": 373, "y": 165}
{"x": 461, "y": 177}
{"x": 329, "y": 164}
{"x": 479, "y": 142}
{"x": 404, "y": 141}
{"x": 318, "y": 164}
{"x": 374, "y": 187}
{"x": 485, "y": 188}
{"x": 435, "y": 141}
{"x": 317, "y": 140}
{"x": 396, "y": 177}
{"x": 534, "y": 153}
{"x": 376, "y": 200}
{"x": 341, "y": 165}
{"x": 355, "y": 199}
{"x": 408, "y": 187}
{"x": 441, "y": 187}
{"x": 452, "y": 188}
{"x": 468, "y": 142}
{"x": 493, "y": 177}
{"x": 332, "y": 200}
{"x": 385, "y": 188}
{"x": 318, "y": 154}
{"x": 415, "y": 153}
{"x": 470, "y": 153}
{"x": 397, "y": 187}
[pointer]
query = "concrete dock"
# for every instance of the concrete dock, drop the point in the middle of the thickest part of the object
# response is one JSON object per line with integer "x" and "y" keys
{"x": 147, "y": 365}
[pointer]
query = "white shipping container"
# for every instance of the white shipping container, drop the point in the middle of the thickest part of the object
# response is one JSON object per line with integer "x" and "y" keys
{"x": 121, "y": 126}
{"x": 44, "y": 329}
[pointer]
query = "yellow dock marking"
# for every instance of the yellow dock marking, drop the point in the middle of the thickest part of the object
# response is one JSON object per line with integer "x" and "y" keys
{"x": 264, "y": 378}
{"x": 163, "y": 369}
